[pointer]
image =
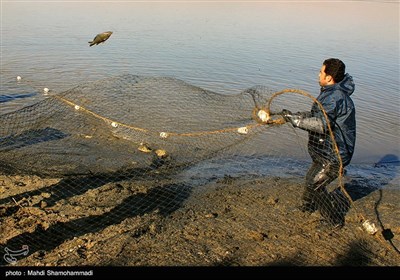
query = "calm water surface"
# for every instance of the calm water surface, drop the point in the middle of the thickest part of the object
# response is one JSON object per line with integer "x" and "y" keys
{"x": 225, "y": 47}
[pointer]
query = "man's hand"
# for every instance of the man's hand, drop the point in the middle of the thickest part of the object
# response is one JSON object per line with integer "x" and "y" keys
{"x": 294, "y": 119}
{"x": 304, "y": 120}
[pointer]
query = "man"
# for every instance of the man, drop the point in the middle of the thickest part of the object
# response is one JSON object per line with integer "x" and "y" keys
{"x": 336, "y": 88}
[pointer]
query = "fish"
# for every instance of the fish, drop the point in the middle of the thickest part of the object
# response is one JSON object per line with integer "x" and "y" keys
{"x": 100, "y": 38}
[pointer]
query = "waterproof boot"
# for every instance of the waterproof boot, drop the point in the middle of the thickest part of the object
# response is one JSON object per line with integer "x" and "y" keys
{"x": 309, "y": 205}
{"x": 334, "y": 207}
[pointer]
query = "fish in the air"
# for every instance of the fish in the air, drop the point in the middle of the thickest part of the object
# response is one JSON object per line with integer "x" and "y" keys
{"x": 100, "y": 38}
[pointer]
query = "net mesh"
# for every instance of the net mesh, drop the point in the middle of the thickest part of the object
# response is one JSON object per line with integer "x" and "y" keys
{"x": 133, "y": 170}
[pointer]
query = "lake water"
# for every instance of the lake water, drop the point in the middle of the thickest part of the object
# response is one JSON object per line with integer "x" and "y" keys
{"x": 224, "y": 47}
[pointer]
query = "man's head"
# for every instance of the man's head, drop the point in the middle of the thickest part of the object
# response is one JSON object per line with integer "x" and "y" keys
{"x": 332, "y": 72}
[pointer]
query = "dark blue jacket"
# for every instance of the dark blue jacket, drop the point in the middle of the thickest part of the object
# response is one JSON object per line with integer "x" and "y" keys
{"x": 341, "y": 113}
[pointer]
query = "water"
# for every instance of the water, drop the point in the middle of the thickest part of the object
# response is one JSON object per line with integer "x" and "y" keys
{"x": 225, "y": 47}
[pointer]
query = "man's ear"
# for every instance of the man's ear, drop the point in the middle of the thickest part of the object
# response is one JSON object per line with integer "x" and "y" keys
{"x": 329, "y": 79}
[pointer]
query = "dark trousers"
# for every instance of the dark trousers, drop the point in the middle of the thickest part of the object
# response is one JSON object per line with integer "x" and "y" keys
{"x": 332, "y": 206}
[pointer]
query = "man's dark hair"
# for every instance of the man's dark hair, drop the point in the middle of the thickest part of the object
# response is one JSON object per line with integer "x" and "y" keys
{"x": 335, "y": 68}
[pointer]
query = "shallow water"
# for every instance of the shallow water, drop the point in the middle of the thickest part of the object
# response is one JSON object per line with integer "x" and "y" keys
{"x": 359, "y": 179}
{"x": 224, "y": 47}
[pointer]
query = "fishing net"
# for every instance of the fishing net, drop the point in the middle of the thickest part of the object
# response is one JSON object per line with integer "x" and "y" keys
{"x": 133, "y": 170}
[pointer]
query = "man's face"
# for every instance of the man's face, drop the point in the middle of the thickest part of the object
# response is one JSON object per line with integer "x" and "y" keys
{"x": 323, "y": 78}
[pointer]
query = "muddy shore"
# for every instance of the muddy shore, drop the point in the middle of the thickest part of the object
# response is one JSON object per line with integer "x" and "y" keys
{"x": 230, "y": 221}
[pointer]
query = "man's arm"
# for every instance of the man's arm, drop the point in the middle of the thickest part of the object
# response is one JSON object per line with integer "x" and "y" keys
{"x": 304, "y": 120}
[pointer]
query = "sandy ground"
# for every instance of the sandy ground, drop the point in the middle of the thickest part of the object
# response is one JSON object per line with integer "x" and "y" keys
{"x": 227, "y": 222}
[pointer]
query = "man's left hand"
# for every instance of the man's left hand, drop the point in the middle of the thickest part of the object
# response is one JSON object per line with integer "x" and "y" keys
{"x": 294, "y": 119}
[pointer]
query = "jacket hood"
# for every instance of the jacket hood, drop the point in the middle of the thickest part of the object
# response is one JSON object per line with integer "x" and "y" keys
{"x": 347, "y": 84}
